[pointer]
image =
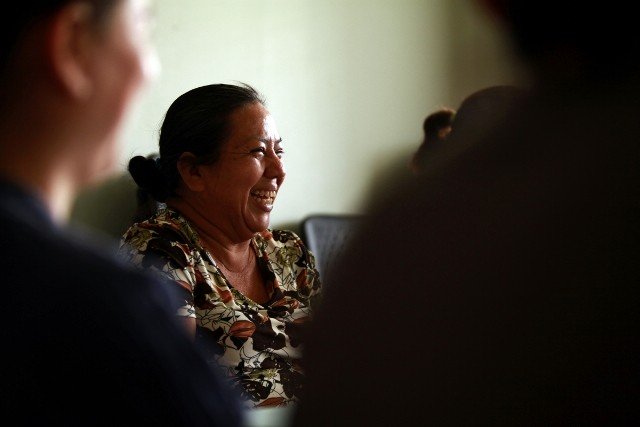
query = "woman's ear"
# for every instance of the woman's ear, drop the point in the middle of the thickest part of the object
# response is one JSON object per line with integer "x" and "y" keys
{"x": 190, "y": 173}
{"x": 70, "y": 45}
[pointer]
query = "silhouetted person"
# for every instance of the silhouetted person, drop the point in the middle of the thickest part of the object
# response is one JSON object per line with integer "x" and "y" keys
{"x": 478, "y": 113}
{"x": 502, "y": 288}
{"x": 484, "y": 110}
{"x": 86, "y": 340}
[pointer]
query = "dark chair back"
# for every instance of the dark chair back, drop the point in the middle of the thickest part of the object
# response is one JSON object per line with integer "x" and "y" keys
{"x": 327, "y": 236}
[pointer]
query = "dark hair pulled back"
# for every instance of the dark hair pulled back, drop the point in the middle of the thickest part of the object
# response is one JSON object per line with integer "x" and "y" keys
{"x": 197, "y": 122}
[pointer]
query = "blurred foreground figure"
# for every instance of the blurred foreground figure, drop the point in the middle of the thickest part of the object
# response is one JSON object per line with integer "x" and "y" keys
{"x": 85, "y": 340}
{"x": 502, "y": 288}
{"x": 481, "y": 111}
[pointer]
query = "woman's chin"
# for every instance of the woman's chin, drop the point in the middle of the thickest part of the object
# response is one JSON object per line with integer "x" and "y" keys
{"x": 258, "y": 223}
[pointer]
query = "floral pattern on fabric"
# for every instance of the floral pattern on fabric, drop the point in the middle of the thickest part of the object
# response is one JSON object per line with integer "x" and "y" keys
{"x": 258, "y": 345}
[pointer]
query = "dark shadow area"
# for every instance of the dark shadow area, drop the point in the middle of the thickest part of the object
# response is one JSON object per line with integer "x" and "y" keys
{"x": 107, "y": 208}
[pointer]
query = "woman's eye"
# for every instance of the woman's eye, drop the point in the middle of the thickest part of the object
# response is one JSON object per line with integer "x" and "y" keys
{"x": 280, "y": 153}
{"x": 260, "y": 151}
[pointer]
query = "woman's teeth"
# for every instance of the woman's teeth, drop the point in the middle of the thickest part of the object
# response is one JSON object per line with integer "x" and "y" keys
{"x": 265, "y": 197}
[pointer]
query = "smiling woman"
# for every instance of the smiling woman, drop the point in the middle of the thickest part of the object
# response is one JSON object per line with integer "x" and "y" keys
{"x": 248, "y": 290}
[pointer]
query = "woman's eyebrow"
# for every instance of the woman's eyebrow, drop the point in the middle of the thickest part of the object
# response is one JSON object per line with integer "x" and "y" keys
{"x": 266, "y": 140}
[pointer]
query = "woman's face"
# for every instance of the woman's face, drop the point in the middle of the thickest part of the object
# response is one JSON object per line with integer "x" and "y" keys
{"x": 241, "y": 187}
{"x": 123, "y": 60}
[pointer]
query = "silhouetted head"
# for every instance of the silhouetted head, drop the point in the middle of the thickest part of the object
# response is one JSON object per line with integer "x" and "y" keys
{"x": 438, "y": 124}
{"x": 17, "y": 22}
{"x": 595, "y": 40}
{"x": 436, "y": 128}
{"x": 482, "y": 110}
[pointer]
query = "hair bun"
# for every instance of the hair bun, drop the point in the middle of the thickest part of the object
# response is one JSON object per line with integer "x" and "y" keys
{"x": 146, "y": 173}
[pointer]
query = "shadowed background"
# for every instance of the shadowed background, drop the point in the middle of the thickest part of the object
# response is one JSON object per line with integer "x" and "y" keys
{"x": 348, "y": 82}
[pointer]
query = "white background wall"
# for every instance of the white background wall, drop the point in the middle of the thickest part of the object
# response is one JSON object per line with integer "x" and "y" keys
{"x": 347, "y": 81}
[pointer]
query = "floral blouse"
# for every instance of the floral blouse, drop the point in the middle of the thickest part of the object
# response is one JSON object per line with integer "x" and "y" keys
{"x": 258, "y": 345}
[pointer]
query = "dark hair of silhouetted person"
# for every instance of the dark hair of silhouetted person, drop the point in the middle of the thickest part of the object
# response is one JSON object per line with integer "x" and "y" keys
{"x": 436, "y": 127}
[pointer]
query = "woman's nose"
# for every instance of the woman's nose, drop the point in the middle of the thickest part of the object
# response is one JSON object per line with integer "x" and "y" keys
{"x": 275, "y": 167}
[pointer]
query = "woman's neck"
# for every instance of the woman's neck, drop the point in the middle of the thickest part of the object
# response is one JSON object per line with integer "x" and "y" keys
{"x": 235, "y": 257}
{"x": 232, "y": 252}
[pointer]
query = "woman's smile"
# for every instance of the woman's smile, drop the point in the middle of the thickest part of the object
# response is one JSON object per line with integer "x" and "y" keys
{"x": 264, "y": 198}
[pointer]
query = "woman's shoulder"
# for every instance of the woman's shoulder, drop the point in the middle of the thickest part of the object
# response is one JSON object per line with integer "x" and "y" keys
{"x": 166, "y": 224}
{"x": 166, "y": 233}
{"x": 284, "y": 244}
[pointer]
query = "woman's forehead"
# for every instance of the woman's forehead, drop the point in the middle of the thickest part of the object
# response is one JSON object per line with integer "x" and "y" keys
{"x": 253, "y": 122}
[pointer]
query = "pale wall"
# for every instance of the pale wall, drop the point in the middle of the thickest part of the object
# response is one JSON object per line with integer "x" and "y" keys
{"x": 348, "y": 82}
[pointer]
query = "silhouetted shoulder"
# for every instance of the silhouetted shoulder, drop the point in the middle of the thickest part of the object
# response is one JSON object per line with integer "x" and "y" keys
{"x": 77, "y": 319}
